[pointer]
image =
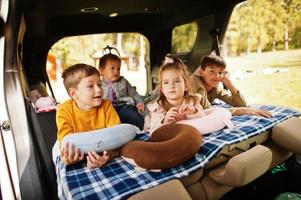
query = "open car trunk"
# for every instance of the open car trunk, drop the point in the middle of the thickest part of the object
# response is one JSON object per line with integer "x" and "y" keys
{"x": 34, "y": 26}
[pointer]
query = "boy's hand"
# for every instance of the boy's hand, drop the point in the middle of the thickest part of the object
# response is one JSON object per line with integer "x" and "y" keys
{"x": 252, "y": 111}
{"x": 140, "y": 107}
{"x": 71, "y": 155}
{"x": 226, "y": 80}
{"x": 171, "y": 116}
{"x": 201, "y": 72}
{"x": 95, "y": 160}
{"x": 228, "y": 83}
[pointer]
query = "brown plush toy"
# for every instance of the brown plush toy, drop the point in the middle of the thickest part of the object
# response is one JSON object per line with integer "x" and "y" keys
{"x": 169, "y": 146}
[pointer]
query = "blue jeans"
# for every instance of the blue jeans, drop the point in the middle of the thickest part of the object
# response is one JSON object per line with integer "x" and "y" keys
{"x": 129, "y": 114}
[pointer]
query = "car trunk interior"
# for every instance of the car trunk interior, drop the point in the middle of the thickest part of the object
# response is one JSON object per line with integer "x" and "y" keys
{"x": 43, "y": 23}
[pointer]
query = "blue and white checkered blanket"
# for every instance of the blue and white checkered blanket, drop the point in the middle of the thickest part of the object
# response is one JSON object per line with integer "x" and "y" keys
{"x": 118, "y": 179}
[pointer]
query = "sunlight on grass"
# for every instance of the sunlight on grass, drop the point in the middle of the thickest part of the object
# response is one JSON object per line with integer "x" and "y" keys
{"x": 269, "y": 78}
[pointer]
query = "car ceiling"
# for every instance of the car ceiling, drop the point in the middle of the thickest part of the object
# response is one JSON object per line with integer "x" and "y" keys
{"x": 59, "y": 18}
{"x": 47, "y": 21}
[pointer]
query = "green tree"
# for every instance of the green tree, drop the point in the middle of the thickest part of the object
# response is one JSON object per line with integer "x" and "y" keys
{"x": 295, "y": 41}
{"x": 255, "y": 16}
{"x": 276, "y": 26}
{"x": 82, "y": 49}
{"x": 293, "y": 11}
{"x": 262, "y": 24}
{"x": 183, "y": 37}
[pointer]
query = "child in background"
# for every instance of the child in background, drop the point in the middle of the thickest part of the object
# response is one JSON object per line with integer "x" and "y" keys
{"x": 127, "y": 102}
{"x": 85, "y": 111}
{"x": 206, "y": 80}
{"x": 175, "y": 101}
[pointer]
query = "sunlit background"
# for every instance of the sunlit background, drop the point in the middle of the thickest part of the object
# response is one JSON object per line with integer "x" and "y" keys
{"x": 262, "y": 49}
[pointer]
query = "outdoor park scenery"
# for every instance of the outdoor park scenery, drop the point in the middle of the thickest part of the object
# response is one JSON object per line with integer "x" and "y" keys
{"x": 262, "y": 48}
{"x": 269, "y": 77}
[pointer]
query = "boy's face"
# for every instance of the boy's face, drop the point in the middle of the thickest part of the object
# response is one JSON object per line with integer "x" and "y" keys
{"x": 111, "y": 71}
{"x": 173, "y": 85}
{"x": 88, "y": 93}
{"x": 212, "y": 75}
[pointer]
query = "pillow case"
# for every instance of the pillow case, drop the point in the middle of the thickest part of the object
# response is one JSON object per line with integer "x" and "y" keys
{"x": 214, "y": 120}
{"x": 102, "y": 139}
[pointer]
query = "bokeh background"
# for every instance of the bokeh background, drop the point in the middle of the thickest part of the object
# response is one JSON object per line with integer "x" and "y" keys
{"x": 262, "y": 48}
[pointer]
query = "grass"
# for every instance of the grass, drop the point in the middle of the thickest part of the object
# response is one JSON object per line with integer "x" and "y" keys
{"x": 269, "y": 78}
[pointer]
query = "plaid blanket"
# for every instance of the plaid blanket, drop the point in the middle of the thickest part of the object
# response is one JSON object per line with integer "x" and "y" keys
{"x": 118, "y": 179}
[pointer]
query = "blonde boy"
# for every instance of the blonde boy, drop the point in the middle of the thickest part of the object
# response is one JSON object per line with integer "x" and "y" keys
{"x": 85, "y": 111}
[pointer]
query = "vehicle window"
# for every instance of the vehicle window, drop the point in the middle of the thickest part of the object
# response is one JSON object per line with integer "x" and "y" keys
{"x": 133, "y": 49}
{"x": 183, "y": 38}
{"x": 263, "y": 51}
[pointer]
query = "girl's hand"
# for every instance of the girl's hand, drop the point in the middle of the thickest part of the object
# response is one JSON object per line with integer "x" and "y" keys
{"x": 171, "y": 116}
{"x": 95, "y": 160}
{"x": 140, "y": 107}
{"x": 187, "y": 109}
{"x": 71, "y": 155}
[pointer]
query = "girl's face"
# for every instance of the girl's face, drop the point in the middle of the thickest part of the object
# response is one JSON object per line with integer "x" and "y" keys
{"x": 88, "y": 93}
{"x": 111, "y": 72}
{"x": 173, "y": 85}
{"x": 212, "y": 75}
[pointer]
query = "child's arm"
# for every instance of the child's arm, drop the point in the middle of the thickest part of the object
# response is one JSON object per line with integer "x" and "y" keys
{"x": 228, "y": 83}
{"x": 140, "y": 107}
{"x": 191, "y": 111}
{"x": 134, "y": 94}
{"x": 171, "y": 116}
{"x": 153, "y": 120}
{"x": 63, "y": 122}
{"x": 69, "y": 154}
{"x": 250, "y": 111}
{"x": 236, "y": 98}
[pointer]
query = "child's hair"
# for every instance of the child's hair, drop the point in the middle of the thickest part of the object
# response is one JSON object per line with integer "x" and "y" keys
{"x": 177, "y": 64}
{"x": 212, "y": 60}
{"x": 74, "y": 74}
{"x": 103, "y": 60}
